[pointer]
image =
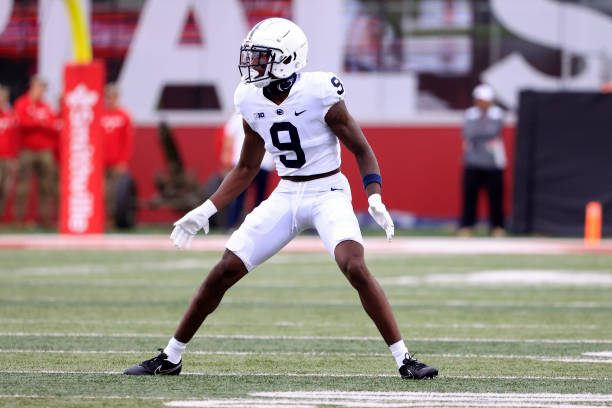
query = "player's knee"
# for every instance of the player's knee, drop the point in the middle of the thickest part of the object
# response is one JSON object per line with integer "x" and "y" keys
{"x": 356, "y": 272}
{"x": 227, "y": 272}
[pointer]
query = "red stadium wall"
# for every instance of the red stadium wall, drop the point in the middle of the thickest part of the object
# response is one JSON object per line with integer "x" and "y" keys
{"x": 421, "y": 167}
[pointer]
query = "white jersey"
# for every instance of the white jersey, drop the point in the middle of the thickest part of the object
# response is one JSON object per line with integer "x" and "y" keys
{"x": 295, "y": 132}
{"x": 233, "y": 129}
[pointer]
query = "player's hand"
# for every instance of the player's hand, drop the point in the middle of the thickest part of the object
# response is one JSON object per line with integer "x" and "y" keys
{"x": 379, "y": 212}
{"x": 187, "y": 227}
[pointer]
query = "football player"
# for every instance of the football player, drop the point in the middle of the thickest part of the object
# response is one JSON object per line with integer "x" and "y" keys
{"x": 300, "y": 119}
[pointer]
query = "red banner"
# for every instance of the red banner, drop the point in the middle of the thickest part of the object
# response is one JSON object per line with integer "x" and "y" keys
{"x": 81, "y": 168}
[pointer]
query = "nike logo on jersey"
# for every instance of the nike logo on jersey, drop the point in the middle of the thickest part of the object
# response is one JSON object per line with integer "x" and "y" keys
{"x": 336, "y": 189}
{"x": 299, "y": 113}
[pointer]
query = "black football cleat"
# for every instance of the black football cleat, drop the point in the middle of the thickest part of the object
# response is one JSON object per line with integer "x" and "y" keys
{"x": 415, "y": 370}
{"x": 156, "y": 366}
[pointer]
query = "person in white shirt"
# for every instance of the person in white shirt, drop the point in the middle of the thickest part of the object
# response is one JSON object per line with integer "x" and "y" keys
{"x": 300, "y": 119}
{"x": 484, "y": 160}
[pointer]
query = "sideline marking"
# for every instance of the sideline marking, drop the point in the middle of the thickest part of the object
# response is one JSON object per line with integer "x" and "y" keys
{"x": 373, "y": 245}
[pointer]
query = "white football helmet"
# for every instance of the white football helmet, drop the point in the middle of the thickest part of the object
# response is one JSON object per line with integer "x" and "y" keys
{"x": 275, "y": 48}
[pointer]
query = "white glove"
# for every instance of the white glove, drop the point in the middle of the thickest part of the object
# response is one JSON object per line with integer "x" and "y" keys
{"x": 379, "y": 212}
{"x": 187, "y": 227}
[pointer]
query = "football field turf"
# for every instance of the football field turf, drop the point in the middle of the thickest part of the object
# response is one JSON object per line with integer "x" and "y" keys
{"x": 292, "y": 333}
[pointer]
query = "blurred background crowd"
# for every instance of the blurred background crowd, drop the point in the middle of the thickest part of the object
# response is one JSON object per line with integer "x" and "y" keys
{"x": 437, "y": 85}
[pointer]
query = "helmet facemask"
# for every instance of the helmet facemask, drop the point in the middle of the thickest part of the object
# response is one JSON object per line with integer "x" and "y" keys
{"x": 256, "y": 64}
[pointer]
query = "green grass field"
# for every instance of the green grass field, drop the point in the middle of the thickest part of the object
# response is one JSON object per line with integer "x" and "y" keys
{"x": 293, "y": 330}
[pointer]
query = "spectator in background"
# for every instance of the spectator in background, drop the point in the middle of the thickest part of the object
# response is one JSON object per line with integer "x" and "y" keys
{"x": 606, "y": 87}
{"x": 8, "y": 146}
{"x": 37, "y": 144}
{"x": 230, "y": 154}
{"x": 117, "y": 133}
{"x": 484, "y": 159}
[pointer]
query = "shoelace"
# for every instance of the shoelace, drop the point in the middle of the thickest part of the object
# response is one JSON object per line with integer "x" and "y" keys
{"x": 410, "y": 361}
{"x": 155, "y": 361}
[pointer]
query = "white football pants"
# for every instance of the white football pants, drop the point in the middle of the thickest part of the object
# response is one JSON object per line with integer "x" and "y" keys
{"x": 323, "y": 204}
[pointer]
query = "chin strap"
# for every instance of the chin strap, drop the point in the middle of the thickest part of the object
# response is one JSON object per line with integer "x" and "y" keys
{"x": 281, "y": 85}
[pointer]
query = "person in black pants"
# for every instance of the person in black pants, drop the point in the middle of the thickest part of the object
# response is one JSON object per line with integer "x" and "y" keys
{"x": 484, "y": 159}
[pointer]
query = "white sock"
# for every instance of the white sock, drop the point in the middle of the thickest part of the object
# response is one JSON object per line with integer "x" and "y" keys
{"x": 399, "y": 350}
{"x": 174, "y": 349}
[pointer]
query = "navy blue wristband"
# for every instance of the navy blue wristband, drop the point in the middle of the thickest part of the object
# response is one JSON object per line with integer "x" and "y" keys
{"x": 372, "y": 178}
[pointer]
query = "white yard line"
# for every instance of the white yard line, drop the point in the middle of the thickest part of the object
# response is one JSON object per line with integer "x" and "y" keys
{"x": 402, "y": 399}
{"x": 327, "y": 375}
{"x": 307, "y": 399}
{"x": 242, "y": 402}
{"x": 259, "y": 403}
{"x": 575, "y": 360}
{"x": 347, "y": 338}
{"x": 560, "y": 359}
{"x": 599, "y": 354}
{"x": 89, "y": 269}
{"x": 35, "y": 396}
{"x": 96, "y": 321}
{"x": 509, "y": 277}
{"x": 60, "y": 372}
{"x": 476, "y": 325}
{"x": 412, "y": 398}
{"x": 329, "y": 303}
{"x": 494, "y": 279}
{"x": 365, "y": 395}
{"x": 466, "y": 303}
{"x": 323, "y": 353}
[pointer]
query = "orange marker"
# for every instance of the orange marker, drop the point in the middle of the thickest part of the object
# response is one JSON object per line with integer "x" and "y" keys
{"x": 592, "y": 224}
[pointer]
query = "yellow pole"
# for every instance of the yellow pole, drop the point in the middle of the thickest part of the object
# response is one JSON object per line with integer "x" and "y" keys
{"x": 79, "y": 29}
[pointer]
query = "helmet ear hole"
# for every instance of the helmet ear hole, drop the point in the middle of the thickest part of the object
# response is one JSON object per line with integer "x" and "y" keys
{"x": 288, "y": 60}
